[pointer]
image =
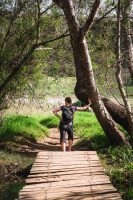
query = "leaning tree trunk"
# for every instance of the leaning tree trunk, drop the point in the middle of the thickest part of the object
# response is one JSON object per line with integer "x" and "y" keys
{"x": 85, "y": 77}
{"x": 117, "y": 112}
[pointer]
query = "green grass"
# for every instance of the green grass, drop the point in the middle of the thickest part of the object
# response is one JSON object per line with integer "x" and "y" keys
{"x": 28, "y": 127}
{"x": 49, "y": 121}
{"x": 87, "y": 127}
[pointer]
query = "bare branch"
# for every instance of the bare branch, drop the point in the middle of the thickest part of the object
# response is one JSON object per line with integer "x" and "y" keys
{"x": 65, "y": 34}
{"x": 101, "y": 18}
{"x": 90, "y": 19}
{"x": 47, "y": 9}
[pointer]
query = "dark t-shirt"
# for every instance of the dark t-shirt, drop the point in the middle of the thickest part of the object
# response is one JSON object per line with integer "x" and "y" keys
{"x": 74, "y": 108}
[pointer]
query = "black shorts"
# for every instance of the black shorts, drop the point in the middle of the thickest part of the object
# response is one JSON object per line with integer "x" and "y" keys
{"x": 66, "y": 129}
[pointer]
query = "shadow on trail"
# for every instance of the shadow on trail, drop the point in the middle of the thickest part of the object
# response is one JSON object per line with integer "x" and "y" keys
{"x": 50, "y": 143}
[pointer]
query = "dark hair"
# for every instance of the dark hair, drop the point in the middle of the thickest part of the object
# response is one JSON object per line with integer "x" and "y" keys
{"x": 68, "y": 99}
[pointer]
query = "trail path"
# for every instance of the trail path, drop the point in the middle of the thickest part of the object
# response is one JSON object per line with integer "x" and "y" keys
{"x": 76, "y": 175}
{"x": 50, "y": 143}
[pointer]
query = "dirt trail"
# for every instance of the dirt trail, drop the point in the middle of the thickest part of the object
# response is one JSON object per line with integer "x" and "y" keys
{"x": 50, "y": 143}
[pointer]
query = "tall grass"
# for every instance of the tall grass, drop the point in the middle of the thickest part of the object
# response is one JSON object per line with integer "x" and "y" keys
{"x": 50, "y": 121}
{"x": 87, "y": 127}
{"x": 22, "y": 125}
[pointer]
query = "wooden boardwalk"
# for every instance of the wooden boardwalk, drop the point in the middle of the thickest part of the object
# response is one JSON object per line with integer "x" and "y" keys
{"x": 76, "y": 175}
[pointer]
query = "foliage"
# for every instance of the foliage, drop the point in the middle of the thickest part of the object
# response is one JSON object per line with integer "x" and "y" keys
{"x": 16, "y": 47}
{"x": 15, "y": 44}
{"x": 118, "y": 162}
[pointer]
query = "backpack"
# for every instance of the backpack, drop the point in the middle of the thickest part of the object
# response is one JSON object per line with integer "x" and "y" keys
{"x": 67, "y": 115}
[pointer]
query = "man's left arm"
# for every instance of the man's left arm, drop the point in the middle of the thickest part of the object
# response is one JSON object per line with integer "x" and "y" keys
{"x": 84, "y": 108}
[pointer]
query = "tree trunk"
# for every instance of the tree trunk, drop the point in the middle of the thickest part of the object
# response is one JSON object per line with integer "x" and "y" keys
{"x": 127, "y": 37}
{"x": 86, "y": 84}
{"x": 85, "y": 77}
{"x": 117, "y": 112}
{"x": 118, "y": 73}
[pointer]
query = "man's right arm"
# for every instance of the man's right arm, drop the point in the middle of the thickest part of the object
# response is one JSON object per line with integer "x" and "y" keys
{"x": 55, "y": 111}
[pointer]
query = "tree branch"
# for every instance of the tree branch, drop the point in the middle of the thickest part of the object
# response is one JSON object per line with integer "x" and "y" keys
{"x": 102, "y": 17}
{"x": 65, "y": 34}
{"x": 25, "y": 58}
{"x": 16, "y": 69}
{"x": 47, "y": 9}
{"x": 90, "y": 19}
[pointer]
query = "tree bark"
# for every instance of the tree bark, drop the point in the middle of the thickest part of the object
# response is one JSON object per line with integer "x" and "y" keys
{"x": 85, "y": 77}
{"x": 118, "y": 73}
{"x": 117, "y": 112}
{"x": 127, "y": 37}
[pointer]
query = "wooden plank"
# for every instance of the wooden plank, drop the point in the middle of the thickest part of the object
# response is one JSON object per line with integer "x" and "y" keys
{"x": 65, "y": 162}
{"x": 65, "y": 178}
{"x": 57, "y": 195}
{"x": 95, "y": 188}
{"x": 82, "y": 172}
{"x": 66, "y": 184}
{"x": 77, "y": 196}
{"x": 67, "y": 168}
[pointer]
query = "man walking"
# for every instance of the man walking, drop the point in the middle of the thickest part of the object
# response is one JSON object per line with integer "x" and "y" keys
{"x": 66, "y": 121}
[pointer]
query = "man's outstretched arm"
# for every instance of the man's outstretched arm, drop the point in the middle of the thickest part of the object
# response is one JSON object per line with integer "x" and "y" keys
{"x": 84, "y": 108}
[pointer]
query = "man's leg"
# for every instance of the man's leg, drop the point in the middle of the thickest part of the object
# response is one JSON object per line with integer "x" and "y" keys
{"x": 70, "y": 145}
{"x": 63, "y": 139}
{"x": 63, "y": 146}
{"x": 70, "y": 137}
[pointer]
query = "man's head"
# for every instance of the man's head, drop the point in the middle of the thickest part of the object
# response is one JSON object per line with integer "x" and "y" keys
{"x": 68, "y": 101}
